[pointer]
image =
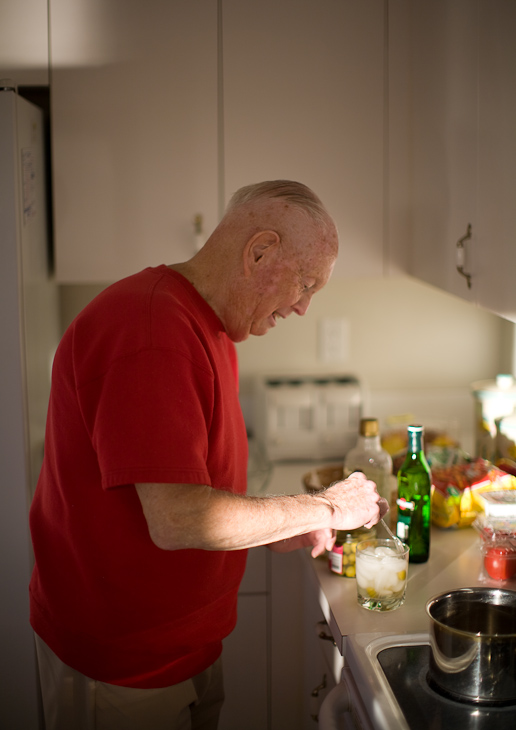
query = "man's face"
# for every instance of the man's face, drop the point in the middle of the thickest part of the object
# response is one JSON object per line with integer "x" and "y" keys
{"x": 288, "y": 288}
{"x": 284, "y": 281}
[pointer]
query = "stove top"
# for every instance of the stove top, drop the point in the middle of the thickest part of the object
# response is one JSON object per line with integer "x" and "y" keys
{"x": 389, "y": 674}
{"x": 406, "y": 670}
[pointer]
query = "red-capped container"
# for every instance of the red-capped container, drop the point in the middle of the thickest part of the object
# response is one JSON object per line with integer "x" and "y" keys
{"x": 498, "y": 547}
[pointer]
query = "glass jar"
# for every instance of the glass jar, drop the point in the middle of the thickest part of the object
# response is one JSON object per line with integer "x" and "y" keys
{"x": 342, "y": 557}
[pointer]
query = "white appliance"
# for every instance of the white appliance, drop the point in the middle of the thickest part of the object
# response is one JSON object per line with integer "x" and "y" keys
{"x": 385, "y": 686}
{"x": 29, "y": 334}
{"x": 494, "y": 399}
{"x": 307, "y": 417}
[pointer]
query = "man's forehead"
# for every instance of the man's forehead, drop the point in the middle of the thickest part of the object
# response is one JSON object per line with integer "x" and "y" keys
{"x": 315, "y": 261}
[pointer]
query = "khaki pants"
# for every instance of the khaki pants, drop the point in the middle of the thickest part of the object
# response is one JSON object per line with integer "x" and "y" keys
{"x": 72, "y": 701}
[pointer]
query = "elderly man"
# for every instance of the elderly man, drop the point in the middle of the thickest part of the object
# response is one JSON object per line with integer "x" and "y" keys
{"x": 140, "y": 521}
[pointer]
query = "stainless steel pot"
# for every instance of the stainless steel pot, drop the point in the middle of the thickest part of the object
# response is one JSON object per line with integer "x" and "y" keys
{"x": 473, "y": 644}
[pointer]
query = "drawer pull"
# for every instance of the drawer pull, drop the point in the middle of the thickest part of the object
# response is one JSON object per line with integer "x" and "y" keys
{"x": 314, "y": 699}
{"x": 321, "y": 633}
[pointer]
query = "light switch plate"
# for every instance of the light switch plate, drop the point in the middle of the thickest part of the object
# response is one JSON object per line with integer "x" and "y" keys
{"x": 333, "y": 339}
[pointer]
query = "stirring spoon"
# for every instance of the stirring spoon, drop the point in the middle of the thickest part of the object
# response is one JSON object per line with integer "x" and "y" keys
{"x": 397, "y": 541}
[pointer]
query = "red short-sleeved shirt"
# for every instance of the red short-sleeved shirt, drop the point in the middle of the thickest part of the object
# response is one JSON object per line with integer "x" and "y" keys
{"x": 144, "y": 389}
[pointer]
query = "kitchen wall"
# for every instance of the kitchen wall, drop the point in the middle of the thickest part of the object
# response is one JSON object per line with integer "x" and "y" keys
{"x": 415, "y": 349}
{"x": 402, "y": 334}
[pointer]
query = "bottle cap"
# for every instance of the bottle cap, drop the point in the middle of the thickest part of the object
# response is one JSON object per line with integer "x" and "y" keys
{"x": 369, "y": 427}
{"x": 415, "y": 428}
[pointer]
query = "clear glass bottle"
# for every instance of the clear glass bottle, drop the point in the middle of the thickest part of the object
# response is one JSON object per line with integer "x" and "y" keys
{"x": 414, "y": 498}
{"x": 369, "y": 457}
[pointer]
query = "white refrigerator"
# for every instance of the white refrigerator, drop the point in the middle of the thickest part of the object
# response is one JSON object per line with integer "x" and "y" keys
{"x": 29, "y": 331}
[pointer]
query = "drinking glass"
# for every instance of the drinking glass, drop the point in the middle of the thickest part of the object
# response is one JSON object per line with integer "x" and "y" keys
{"x": 382, "y": 570}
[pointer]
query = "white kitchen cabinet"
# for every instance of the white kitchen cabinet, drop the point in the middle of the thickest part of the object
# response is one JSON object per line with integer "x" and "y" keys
{"x": 287, "y": 646}
{"x": 24, "y": 42}
{"x": 154, "y": 105}
{"x": 496, "y": 244}
{"x": 322, "y": 662}
{"x": 135, "y": 142}
{"x": 443, "y": 59}
{"x": 463, "y": 60}
{"x": 246, "y": 651}
{"x": 304, "y": 99}
{"x": 263, "y": 657}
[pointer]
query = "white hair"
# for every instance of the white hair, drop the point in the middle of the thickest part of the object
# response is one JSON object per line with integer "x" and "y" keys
{"x": 294, "y": 192}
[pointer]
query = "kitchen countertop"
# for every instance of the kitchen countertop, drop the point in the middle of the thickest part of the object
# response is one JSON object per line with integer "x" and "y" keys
{"x": 455, "y": 562}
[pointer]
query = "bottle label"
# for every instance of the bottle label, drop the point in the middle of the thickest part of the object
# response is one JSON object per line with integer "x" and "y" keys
{"x": 336, "y": 559}
{"x": 405, "y": 511}
{"x": 402, "y": 530}
{"x": 405, "y": 505}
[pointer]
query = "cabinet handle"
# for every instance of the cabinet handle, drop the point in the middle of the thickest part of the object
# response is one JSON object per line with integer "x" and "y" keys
{"x": 327, "y": 637}
{"x": 314, "y": 699}
{"x": 321, "y": 633}
{"x": 461, "y": 255}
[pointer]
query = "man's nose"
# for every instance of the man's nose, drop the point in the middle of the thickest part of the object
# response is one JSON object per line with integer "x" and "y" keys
{"x": 302, "y": 304}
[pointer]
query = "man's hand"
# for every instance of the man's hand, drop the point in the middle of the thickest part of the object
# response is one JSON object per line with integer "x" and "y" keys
{"x": 355, "y": 502}
{"x": 321, "y": 540}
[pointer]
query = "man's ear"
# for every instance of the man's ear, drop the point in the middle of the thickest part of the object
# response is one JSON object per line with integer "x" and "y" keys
{"x": 258, "y": 246}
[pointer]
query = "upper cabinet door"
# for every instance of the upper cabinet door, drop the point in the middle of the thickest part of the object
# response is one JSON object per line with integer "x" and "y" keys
{"x": 303, "y": 85}
{"x": 24, "y": 42}
{"x": 134, "y": 122}
{"x": 463, "y": 60}
{"x": 495, "y": 279}
{"x": 443, "y": 49}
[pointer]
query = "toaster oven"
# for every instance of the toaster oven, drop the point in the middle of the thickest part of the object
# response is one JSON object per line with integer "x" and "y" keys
{"x": 307, "y": 417}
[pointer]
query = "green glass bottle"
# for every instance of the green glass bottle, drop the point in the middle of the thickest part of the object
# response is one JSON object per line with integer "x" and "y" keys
{"x": 414, "y": 505}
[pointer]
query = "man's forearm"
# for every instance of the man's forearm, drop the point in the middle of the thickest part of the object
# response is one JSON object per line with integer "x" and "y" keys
{"x": 183, "y": 516}
{"x": 197, "y": 516}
